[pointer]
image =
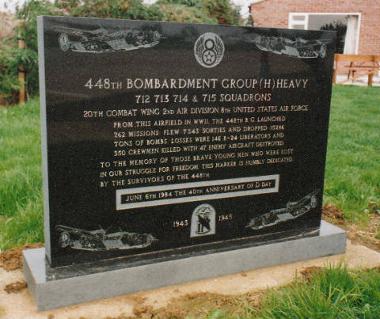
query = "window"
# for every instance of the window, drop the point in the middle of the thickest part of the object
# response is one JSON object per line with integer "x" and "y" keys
{"x": 298, "y": 21}
{"x": 347, "y": 26}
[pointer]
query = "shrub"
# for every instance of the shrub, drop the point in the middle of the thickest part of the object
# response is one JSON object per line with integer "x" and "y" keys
{"x": 190, "y": 11}
{"x": 29, "y": 13}
{"x": 11, "y": 58}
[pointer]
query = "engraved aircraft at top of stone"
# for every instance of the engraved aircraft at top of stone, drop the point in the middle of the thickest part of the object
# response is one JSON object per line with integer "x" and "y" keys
{"x": 100, "y": 239}
{"x": 102, "y": 40}
{"x": 300, "y": 48}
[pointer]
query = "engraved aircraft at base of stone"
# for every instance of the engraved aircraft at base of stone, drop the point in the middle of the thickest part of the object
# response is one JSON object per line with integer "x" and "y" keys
{"x": 300, "y": 48}
{"x": 100, "y": 239}
{"x": 102, "y": 40}
{"x": 292, "y": 211}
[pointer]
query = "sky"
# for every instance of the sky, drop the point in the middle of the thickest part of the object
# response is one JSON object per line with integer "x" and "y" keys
{"x": 10, "y": 5}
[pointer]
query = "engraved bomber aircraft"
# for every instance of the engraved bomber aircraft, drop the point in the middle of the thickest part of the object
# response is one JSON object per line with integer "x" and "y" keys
{"x": 292, "y": 210}
{"x": 102, "y": 40}
{"x": 100, "y": 239}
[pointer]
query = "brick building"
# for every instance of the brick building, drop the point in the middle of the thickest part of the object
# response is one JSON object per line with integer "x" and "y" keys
{"x": 357, "y": 21}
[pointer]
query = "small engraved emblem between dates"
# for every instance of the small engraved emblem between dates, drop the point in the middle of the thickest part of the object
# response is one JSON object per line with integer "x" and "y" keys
{"x": 203, "y": 221}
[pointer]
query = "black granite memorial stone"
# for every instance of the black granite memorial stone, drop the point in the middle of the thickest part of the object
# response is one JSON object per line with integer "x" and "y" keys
{"x": 163, "y": 140}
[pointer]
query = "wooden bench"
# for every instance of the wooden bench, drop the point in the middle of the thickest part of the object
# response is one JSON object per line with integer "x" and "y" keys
{"x": 355, "y": 65}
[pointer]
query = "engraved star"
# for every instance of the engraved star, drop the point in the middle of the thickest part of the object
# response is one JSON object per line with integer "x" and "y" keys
{"x": 209, "y": 57}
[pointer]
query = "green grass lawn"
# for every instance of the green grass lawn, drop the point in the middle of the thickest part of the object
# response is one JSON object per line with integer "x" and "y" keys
{"x": 20, "y": 176}
{"x": 353, "y": 154}
{"x": 352, "y": 174}
{"x": 332, "y": 293}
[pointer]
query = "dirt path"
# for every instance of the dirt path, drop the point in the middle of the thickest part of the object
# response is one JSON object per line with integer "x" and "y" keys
{"x": 20, "y": 305}
{"x": 363, "y": 235}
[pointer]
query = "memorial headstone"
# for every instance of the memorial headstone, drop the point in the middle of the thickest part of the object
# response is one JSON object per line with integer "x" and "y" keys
{"x": 172, "y": 143}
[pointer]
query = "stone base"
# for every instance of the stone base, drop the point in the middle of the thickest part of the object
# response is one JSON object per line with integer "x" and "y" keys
{"x": 54, "y": 293}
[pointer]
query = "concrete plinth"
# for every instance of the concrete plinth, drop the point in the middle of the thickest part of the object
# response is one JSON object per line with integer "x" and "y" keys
{"x": 51, "y": 293}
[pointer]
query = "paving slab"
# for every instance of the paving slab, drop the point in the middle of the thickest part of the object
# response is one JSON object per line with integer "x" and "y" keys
{"x": 22, "y": 306}
{"x": 64, "y": 286}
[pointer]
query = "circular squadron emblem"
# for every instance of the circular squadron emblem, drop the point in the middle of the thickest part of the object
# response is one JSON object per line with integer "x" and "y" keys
{"x": 209, "y": 50}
